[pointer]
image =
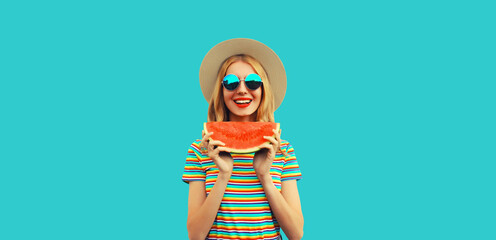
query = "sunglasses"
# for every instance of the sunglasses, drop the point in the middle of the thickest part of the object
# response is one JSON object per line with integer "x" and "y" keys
{"x": 252, "y": 82}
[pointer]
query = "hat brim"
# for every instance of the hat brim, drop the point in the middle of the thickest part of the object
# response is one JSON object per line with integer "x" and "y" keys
{"x": 267, "y": 57}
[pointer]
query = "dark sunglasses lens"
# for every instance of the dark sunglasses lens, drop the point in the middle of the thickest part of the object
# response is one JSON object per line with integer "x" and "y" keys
{"x": 253, "y": 85}
{"x": 253, "y": 81}
{"x": 230, "y": 82}
{"x": 231, "y": 86}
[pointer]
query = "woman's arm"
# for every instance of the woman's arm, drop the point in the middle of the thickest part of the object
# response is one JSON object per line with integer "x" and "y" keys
{"x": 285, "y": 205}
{"x": 202, "y": 209}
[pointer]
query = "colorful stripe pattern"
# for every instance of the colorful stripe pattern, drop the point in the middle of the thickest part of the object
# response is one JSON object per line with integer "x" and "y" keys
{"x": 244, "y": 212}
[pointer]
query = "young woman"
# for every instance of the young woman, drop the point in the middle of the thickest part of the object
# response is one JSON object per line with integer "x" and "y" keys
{"x": 242, "y": 196}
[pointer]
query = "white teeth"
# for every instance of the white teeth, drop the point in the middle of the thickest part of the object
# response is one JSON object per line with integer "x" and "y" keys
{"x": 242, "y": 101}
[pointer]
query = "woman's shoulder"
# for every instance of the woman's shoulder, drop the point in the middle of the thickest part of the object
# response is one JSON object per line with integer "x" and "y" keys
{"x": 285, "y": 143}
{"x": 196, "y": 144}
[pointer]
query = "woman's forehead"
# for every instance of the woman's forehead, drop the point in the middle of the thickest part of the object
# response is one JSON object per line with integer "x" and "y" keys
{"x": 240, "y": 69}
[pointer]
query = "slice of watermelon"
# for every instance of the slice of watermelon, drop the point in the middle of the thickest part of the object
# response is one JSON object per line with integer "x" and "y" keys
{"x": 241, "y": 137}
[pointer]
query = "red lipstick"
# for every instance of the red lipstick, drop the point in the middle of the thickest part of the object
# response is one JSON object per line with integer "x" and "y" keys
{"x": 243, "y": 102}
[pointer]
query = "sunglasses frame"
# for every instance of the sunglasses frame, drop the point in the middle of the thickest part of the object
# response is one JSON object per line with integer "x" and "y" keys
{"x": 238, "y": 81}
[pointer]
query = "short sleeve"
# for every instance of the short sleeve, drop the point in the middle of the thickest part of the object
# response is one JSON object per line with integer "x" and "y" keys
{"x": 193, "y": 170}
{"x": 291, "y": 169}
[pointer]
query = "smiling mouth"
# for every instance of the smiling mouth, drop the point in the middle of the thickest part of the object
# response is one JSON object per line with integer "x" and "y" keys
{"x": 242, "y": 103}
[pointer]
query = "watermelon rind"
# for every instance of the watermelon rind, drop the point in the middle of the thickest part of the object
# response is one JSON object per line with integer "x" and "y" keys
{"x": 248, "y": 150}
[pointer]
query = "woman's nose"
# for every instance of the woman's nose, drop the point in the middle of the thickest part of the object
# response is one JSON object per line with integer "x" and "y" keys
{"x": 242, "y": 87}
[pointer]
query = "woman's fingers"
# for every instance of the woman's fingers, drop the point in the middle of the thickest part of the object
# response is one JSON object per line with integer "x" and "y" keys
{"x": 277, "y": 137}
{"x": 272, "y": 140}
{"x": 276, "y": 141}
{"x": 213, "y": 147}
{"x": 216, "y": 143}
{"x": 214, "y": 153}
{"x": 204, "y": 142}
{"x": 206, "y": 136}
{"x": 223, "y": 149}
{"x": 278, "y": 134}
{"x": 269, "y": 147}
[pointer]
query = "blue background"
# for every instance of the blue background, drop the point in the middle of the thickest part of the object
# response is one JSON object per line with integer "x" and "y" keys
{"x": 390, "y": 107}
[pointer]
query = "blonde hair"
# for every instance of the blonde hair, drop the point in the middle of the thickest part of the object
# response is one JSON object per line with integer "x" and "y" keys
{"x": 218, "y": 111}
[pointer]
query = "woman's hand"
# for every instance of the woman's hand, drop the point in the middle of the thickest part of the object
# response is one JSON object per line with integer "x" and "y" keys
{"x": 220, "y": 155}
{"x": 262, "y": 161}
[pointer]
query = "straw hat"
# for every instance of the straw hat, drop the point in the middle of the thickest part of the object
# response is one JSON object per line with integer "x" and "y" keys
{"x": 267, "y": 57}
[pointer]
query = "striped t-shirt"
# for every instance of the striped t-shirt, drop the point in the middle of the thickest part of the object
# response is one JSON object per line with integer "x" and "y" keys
{"x": 244, "y": 212}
